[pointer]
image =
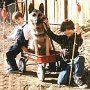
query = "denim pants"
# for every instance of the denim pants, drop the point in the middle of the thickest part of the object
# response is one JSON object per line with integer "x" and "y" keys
{"x": 78, "y": 70}
{"x": 11, "y": 55}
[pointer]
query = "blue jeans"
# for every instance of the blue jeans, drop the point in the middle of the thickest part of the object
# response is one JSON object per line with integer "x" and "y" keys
{"x": 78, "y": 70}
{"x": 11, "y": 55}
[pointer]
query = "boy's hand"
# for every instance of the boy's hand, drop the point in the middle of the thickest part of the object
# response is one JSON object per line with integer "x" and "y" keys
{"x": 45, "y": 23}
{"x": 78, "y": 28}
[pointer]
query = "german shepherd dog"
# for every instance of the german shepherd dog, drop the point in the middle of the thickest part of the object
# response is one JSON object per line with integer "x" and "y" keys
{"x": 39, "y": 42}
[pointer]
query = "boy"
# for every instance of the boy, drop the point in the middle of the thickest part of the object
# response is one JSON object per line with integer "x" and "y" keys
{"x": 21, "y": 36}
{"x": 66, "y": 42}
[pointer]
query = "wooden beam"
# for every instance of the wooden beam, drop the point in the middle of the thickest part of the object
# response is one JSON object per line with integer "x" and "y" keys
{"x": 26, "y": 11}
{"x": 45, "y": 7}
{"x": 65, "y": 9}
{"x": 33, "y": 2}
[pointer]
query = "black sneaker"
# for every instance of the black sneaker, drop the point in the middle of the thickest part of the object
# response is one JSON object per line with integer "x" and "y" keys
{"x": 80, "y": 83}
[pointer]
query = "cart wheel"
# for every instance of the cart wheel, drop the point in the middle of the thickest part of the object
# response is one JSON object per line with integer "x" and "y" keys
{"x": 22, "y": 65}
{"x": 41, "y": 72}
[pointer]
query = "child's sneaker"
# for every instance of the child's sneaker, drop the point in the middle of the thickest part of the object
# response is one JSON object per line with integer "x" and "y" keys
{"x": 80, "y": 83}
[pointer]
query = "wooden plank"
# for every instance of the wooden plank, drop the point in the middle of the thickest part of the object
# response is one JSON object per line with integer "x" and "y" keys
{"x": 26, "y": 11}
{"x": 66, "y": 9}
{"x": 45, "y": 7}
{"x": 19, "y": 4}
{"x": 33, "y": 2}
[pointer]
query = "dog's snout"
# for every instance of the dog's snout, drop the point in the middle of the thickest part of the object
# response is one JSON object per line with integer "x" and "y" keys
{"x": 36, "y": 17}
{"x": 35, "y": 21}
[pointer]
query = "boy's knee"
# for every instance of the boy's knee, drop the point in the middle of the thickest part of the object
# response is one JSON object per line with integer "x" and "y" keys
{"x": 80, "y": 59}
{"x": 9, "y": 54}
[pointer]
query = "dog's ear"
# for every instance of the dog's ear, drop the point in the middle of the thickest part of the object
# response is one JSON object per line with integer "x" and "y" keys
{"x": 41, "y": 7}
{"x": 31, "y": 7}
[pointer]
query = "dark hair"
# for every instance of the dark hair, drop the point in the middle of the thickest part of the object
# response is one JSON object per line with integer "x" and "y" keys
{"x": 16, "y": 15}
{"x": 67, "y": 24}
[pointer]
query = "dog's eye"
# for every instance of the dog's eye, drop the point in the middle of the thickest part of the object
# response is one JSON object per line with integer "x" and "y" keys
{"x": 34, "y": 14}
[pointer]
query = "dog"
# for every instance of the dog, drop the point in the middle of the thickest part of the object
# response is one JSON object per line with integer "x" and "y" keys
{"x": 39, "y": 41}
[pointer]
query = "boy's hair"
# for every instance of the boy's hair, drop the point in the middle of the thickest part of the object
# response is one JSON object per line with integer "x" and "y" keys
{"x": 16, "y": 15}
{"x": 67, "y": 24}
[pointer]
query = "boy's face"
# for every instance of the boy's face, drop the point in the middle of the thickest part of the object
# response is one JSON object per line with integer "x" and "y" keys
{"x": 19, "y": 21}
{"x": 68, "y": 32}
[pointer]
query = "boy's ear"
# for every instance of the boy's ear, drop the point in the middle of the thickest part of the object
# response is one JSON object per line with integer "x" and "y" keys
{"x": 31, "y": 8}
{"x": 41, "y": 7}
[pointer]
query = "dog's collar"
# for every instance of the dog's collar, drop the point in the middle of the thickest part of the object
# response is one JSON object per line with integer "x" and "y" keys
{"x": 40, "y": 33}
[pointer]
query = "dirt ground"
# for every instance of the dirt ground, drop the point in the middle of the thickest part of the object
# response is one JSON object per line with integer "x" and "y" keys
{"x": 29, "y": 80}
